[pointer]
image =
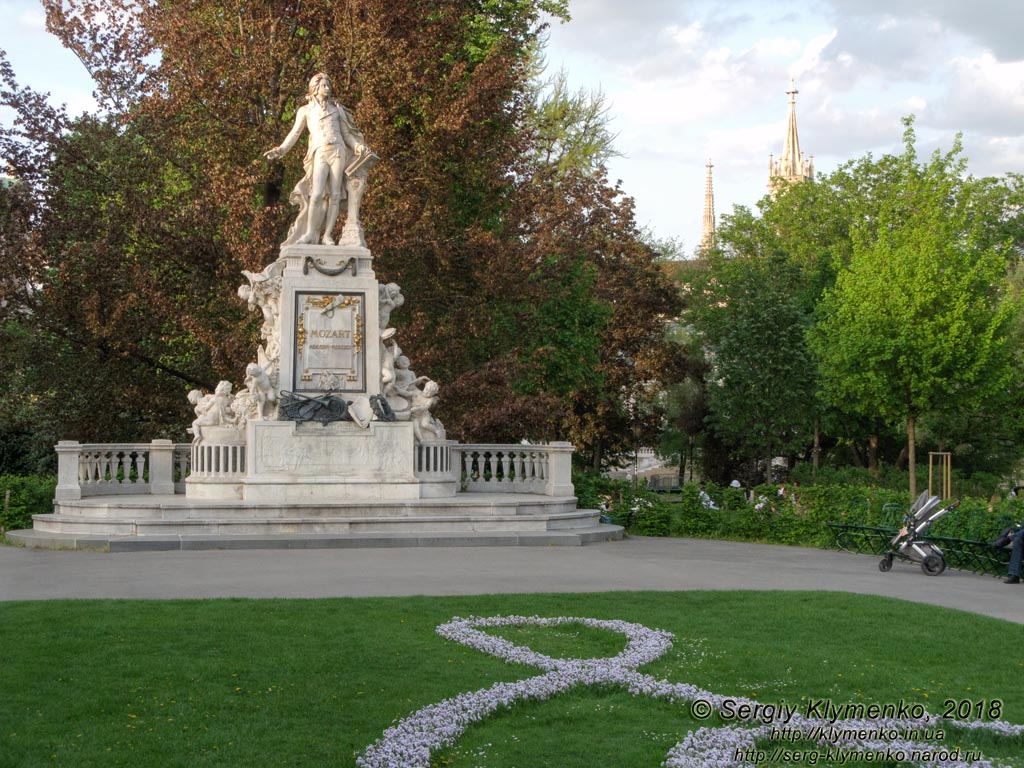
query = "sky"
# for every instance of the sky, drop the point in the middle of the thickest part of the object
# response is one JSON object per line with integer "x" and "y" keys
{"x": 687, "y": 81}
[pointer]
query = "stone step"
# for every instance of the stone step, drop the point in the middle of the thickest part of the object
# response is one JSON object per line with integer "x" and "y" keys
{"x": 178, "y": 508}
{"x": 128, "y": 526}
{"x": 577, "y": 537}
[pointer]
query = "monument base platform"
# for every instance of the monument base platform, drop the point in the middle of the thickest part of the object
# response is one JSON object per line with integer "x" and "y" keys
{"x": 151, "y": 522}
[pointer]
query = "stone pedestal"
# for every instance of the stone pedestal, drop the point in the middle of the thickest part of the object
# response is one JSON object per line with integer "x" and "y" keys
{"x": 330, "y": 338}
{"x": 218, "y": 465}
{"x": 68, "y": 481}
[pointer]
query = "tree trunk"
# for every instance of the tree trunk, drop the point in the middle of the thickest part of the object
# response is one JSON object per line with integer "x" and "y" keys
{"x": 912, "y": 456}
{"x": 873, "y": 455}
{"x": 816, "y": 452}
{"x": 857, "y": 456}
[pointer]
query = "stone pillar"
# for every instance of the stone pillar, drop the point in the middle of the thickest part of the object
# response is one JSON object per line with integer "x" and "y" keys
{"x": 161, "y": 467}
{"x": 68, "y": 454}
{"x": 559, "y": 481}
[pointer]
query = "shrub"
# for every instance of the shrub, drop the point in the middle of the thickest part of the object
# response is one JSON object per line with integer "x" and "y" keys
{"x": 651, "y": 518}
{"x": 29, "y": 495}
{"x": 639, "y": 510}
{"x": 799, "y": 517}
{"x": 592, "y": 489}
{"x": 693, "y": 517}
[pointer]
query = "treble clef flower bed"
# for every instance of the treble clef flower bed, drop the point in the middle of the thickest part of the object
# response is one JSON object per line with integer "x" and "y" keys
{"x": 411, "y": 741}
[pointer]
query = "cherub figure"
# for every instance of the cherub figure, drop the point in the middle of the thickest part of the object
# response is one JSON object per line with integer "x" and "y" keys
{"x": 422, "y": 422}
{"x": 390, "y": 298}
{"x": 401, "y": 385}
{"x": 261, "y": 390}
{"x": 211, "y": 410}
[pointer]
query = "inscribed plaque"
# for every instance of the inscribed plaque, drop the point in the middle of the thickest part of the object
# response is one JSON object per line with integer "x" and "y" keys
{"x": 329, "y": 355}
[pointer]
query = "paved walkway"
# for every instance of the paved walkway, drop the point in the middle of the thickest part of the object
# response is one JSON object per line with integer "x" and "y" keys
{"x": 633, "y": 564}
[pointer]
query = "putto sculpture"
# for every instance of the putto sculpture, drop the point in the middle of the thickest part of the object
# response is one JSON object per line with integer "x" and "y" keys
{"x": 212, "y": 410}
{"x": 336, "y": 165}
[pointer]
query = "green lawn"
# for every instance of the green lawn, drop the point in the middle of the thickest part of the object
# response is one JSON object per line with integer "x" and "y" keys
{"x": 314, "y": 682}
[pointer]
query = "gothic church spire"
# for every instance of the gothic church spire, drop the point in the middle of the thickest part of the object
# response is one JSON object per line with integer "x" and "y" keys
{"x": 707, "y": 238}
{"x": 792, "y": 166}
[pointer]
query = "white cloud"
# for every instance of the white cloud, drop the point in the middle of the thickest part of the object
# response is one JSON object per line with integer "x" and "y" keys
{"x": 991, "y": 24}
{"x": 984, "y": 95}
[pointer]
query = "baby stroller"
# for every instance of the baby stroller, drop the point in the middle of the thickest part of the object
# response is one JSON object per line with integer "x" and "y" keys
{"x": 907, "y": 544}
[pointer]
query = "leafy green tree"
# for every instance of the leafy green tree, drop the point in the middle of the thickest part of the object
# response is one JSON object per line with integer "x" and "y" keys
{"x": 917, "y": 322}
{"x": 815, "y": 226}
{"x": 761, "y": 381}
{"x": 685, "y": 404}
{"x": 581, "y": 217}
{"x": 570, "y": 129}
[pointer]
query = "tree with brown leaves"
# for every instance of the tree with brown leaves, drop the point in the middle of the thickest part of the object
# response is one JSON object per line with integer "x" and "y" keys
{"x": 530, "y": 296}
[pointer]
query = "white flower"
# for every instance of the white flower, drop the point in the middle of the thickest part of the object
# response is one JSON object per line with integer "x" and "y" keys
{"x": 410, "y": 742}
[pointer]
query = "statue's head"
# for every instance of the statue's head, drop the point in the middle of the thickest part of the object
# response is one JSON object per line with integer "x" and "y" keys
{"x": 318, "y": 81}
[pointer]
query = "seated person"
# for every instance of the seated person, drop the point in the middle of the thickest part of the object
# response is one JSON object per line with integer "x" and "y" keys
{"x": 1016, "y": 557}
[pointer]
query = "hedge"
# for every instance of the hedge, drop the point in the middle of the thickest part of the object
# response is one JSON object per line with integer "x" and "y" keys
{"x": 799, "y": 515}
{"x": 28, "y": 495}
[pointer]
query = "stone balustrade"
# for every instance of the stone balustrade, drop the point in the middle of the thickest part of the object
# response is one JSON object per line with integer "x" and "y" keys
{"x": 103, "y": 469}
{"x": 182, "y": 465}
{"x": 492, "y": 468}
{"x": 160, "y": 467}
{"x": 221, "y": 455}
{"x": 434, "y": 461}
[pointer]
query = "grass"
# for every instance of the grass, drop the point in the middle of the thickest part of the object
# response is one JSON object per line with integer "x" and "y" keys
{"x": 314, "y": 682}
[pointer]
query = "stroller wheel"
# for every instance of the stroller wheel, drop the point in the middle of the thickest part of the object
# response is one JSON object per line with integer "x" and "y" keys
{"x": 885, "y": 564}
{"x": 933, "y": 565}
